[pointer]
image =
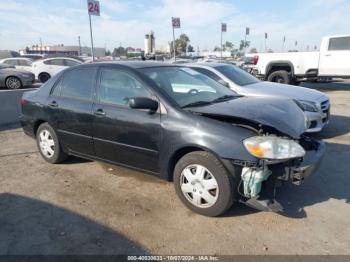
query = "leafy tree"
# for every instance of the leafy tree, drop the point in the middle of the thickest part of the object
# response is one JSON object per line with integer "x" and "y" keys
{"x": 228, "y": 46}
{"x": 120, "y": 51}
{"x": 108, "y": 53}
{"x": 253, "y": 50}
{"x": 190, "y": 48}
{"x": 243, "y": 44}
{"x": 216, "y": 48}
{"x": 180, "y": 44}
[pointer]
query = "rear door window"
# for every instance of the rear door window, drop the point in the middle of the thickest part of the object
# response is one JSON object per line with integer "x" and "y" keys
{"x": 57, "y": 62}
{"x": 78, "y": 83}
{"x": 24, "y": 63}
{"x": 339, "y": 43}
{"x": 71, "y": 62}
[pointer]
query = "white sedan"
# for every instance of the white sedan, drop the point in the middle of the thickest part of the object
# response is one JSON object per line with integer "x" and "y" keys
{"x": 18, "y": 62}
{"x": 45, "y": 69}
{"x": 316, "y": 105}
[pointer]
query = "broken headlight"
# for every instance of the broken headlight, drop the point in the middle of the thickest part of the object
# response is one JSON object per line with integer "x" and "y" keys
{"x": 272, "y": 147}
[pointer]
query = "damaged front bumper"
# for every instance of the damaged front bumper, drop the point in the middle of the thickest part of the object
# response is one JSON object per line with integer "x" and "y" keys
{"x": 309, "y": 165}
{"x": 294, "y": 171}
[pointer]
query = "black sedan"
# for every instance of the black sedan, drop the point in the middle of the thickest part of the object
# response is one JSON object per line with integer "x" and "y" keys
{"x": 14, "y": 78}
{"x": 173, "y": 122}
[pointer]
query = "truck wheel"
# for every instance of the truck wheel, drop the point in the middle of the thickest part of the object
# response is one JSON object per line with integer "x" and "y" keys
{"x": 281, "y": 77}
{"x": 203, "y": 184}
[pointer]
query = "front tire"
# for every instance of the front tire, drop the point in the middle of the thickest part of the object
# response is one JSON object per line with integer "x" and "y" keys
{"x": 48, "y": 144}
{"x": 203, "y": 184}
{"x": 13, "y": 82}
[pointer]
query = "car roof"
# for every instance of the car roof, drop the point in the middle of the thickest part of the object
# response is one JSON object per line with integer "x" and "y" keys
{"x": 60, "y": 57}
{"x": 207, "y": 64}
{"x": 137, "y": 64}
{"x": 16, "y": 58}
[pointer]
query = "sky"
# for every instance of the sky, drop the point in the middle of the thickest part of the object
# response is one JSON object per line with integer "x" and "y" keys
{"x": 125, "y": 22}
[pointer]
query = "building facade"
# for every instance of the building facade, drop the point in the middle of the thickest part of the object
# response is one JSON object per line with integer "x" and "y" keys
{"x": 150, "y": 44}
{"x": 64, "y": 50}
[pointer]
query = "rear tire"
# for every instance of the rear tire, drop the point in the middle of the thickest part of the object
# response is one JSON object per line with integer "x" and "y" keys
{"x": 44, "y": 77}
{"x": 48, "y": 144}
{"x": 13, "y": 82}
{"x": 211, "y": 196}
{"x": 281, "y": 76}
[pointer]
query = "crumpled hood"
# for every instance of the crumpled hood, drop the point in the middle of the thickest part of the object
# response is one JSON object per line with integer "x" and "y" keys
{"x": 281, "y": 90}
{"x": 282, "y": 114}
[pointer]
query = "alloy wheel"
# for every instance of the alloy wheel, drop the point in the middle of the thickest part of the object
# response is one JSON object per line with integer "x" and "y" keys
{"x": 13, "y": 83}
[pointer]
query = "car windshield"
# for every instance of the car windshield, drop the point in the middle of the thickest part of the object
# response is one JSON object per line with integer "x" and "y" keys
{"x": 237, "y": 75}
{"x": 188, "y": 88}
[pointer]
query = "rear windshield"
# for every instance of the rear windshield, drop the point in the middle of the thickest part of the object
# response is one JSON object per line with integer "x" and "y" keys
{"x": 237, "y": 75}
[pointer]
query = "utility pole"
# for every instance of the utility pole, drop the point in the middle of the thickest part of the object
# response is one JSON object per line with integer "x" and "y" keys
{"x": 223, "y": 29}
{"x": 92, "y": 41}
{"x": 79, "y": 45}
{"x": 93, "y": 9}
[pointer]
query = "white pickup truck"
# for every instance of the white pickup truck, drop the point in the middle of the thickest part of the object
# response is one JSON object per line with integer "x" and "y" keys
{"x": 333, "y": 60}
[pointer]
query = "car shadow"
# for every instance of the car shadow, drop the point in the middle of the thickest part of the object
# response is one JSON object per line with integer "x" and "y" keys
{"x": 76, "y": 160}
{"x": 5, "y": 127}
{"x": 328, "y": 86}
{"x": 331, "y": 181}
{"x": 338, "y": 126}
{"x": 34, "y": 227}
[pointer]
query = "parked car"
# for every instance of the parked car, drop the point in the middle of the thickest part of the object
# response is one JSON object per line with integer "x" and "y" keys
{"x": 315, "y": 104}
{"x": 19, "y": 63}
{"x": 13, "y": 78}
{"x": 173, "y": 122}
{"x": 34, "y": 57}
{"x": 45, "y": 69}
{"x": 331, "y": 61}
{"x": 8, "y": 53}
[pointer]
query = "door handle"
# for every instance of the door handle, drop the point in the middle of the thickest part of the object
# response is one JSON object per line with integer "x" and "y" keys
{"x": 53, "y": 104}
{"x": 328, "y": 55}
{"x": 100, "y": 112}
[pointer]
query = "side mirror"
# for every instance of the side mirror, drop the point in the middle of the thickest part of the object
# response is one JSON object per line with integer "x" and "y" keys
{"x": 143, "y": 103}
{"x": 224, "y": 83}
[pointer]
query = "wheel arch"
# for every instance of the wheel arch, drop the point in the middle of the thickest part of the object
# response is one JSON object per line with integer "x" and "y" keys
{"x": 36, "y": 125}
{"x": 279, "y": 65}
{"x": 179, "y": 153}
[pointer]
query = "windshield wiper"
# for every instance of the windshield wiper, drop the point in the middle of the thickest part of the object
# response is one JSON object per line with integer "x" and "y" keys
{"x": 197, "y": 103}
{"x": 224, "y": 98}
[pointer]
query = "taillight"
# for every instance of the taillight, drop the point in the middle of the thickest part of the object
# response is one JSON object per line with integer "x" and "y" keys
{"x": 255, "y": 59}
{"x": 22, "y": 101}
